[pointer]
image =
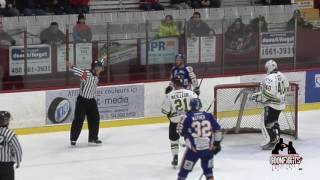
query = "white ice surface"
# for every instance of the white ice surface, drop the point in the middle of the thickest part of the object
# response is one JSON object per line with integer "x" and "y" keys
{"x": 143, "y": 153}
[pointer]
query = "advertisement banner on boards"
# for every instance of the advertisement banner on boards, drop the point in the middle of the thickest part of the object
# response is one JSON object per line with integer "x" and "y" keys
{"x": 276, "y": 45}
{"x": 38, "y": 60}
{"x": 304, "y": 4}
{"x": 295, "y": 77}
{"x": 208, "y": 49}
{"x": 117, "y": 102}
{"x": 193, "y": 52}
{"x": 201, "y": 49}
{"x": 161, "y": 51}
{"x": 61, "y": 57}
{"x": 312, "y": 86}
{"x": 84, "y": 55}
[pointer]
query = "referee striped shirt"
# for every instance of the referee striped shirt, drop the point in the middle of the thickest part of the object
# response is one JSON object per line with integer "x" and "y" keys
{"x": 89, "y": 82}
{"x": 10, "y": 148}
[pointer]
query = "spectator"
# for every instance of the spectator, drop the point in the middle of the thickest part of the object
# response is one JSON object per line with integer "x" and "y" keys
{"x": 210, "y": 3}
{"x": 52, "y": 35}
{"x": 57, "y": 6}
{"x": 180, "y": 4}
{"x": 256, "y": 22}
{"x": 10, "y": 9}
{"x": 168, "y": 27}
{"x": 300, "y": 21}
{"x": 196, "y": 27}
{"x": 2, "y": 6}
{"x": 81, "y": 31}
{"x": 80, "y": 6}
{"x": 149, "y": 5}
{"x": 32, "y": 7}
{"x": 5, "y": 38}
{"x": 238, "y": 36}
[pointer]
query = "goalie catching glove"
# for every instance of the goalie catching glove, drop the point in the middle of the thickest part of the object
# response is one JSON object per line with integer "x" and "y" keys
{"x": 256, "y": 97}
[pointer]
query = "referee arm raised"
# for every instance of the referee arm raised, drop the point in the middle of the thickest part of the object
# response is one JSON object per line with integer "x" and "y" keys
{"x": 10, "y": 148}
{"x": 86, "y": 104}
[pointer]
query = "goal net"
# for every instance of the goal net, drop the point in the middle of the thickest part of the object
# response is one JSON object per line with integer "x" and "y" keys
{"x": 237, "y": 114}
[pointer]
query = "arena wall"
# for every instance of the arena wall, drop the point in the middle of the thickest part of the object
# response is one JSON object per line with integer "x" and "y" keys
{"x": 29, "y": 108}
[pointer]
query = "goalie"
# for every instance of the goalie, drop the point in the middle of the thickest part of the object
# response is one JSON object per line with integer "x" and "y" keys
{"x": 272, "y": 95}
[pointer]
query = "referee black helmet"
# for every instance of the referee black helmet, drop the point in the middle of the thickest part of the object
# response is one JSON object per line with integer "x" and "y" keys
{"x": 97, "y": 64}
{"x": 5, "y": 117}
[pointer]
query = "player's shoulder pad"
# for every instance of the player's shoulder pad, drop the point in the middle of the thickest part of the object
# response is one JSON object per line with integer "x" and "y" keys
{"x": 270, "y": 78}
{"x": 189, "y": 68}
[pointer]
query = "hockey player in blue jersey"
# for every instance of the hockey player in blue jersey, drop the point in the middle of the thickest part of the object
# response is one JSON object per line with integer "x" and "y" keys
{"x": 202, "y": 135}
{"x": 189, "y": 77}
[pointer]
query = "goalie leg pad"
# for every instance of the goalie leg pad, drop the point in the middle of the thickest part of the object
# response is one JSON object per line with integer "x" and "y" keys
{"x": 271, "y": 127}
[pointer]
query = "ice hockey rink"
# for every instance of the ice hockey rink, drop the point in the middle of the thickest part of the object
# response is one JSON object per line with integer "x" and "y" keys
{"x": 143, "y": 153}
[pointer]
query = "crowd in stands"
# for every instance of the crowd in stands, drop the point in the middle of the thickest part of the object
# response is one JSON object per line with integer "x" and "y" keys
{"x": 236, "y": 33}
{"x": 11, "y": 8}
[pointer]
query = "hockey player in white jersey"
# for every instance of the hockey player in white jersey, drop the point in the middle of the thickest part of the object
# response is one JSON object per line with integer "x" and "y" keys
{"x": 174, "y": 105}
{"x": 272, "y": 95}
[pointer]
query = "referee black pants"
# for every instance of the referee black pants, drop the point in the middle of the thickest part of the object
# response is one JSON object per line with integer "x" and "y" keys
{"x": 6, "y": 171}
{"x": 89, "y": 108}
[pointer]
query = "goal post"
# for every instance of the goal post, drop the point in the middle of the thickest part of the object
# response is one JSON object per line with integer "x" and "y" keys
{"x": 237, "y": 114}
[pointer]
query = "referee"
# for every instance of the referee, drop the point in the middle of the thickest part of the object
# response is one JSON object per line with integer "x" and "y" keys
{"x": 86, "y": 104}
{"x": 10, "y": 148}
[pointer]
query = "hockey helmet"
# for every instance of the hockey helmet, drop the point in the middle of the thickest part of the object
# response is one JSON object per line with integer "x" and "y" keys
{"x": 195, "y": 104}
{"x": 97, "y": 64}
{"x": 5, "y": 117}
{"x": 178, "y": 80}
{"x": 179, "y": 60}
{"x": 179, "y": 57}
{"x": 270, "y": 66}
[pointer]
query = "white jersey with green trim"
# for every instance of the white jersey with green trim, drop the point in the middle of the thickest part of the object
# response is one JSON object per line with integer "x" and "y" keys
{"x": 274, "y": 89}
{"x": 176, "y": 103}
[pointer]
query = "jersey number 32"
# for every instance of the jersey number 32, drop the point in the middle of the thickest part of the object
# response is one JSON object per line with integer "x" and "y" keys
{"x": 201, "y": 129}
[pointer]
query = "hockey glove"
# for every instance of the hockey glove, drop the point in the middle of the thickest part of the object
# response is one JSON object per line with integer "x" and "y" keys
{"x": 216, "y": 147}
{"x": 168, "y": 89}
{"x": 256, "y": 97}
{"x": 196, "y": 90}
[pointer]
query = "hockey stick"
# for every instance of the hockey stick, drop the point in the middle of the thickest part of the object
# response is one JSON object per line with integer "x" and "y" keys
{"x": 201, "y": 176}
{"x": 210, "y": 105}
{"x": 204, "y": 72}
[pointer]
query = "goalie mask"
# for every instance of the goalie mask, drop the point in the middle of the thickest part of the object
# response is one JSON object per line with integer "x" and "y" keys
{"x": 195, "y": 104}
{"x": 5, "y": 117}
{"x": 271, "y": 66}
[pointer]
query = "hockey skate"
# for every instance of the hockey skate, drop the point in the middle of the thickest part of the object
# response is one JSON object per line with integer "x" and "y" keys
{"x": 270, "y": 145}
{"x": 95, "y": 142}
{"x": 73, "y": 143}
{"x": 174, "y": 161}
